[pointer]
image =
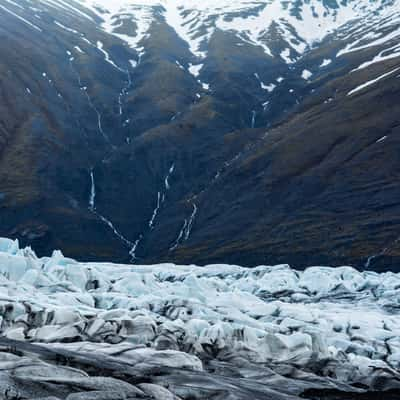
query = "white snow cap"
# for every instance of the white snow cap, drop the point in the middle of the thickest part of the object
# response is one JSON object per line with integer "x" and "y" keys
{"x": 195, "y": 21}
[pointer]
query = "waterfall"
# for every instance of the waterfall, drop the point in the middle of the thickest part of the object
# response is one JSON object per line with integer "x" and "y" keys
{"x": 253, "y": 118}
{"x": 92, "y": 196}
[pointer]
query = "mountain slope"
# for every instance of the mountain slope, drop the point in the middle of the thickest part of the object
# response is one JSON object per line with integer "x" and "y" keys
{"x": 250, "y": 132}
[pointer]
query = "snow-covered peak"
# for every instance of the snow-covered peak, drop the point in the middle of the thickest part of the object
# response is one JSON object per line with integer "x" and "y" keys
{"x": 117, "y": 13}
{"x": 283, "y": 29}
{"x": 301, "y": 24}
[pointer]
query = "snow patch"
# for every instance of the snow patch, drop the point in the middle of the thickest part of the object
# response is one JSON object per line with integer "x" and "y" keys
{"x": 306, "y": 74}
{"x": 195, "y": 69}
{"x": 325, "y": 62}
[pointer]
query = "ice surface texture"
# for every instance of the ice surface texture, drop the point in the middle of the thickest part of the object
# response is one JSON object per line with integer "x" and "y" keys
{"x": 323, "y": 322}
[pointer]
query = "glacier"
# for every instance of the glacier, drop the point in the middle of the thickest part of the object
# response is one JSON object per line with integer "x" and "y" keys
{"x": 215, "y": 329}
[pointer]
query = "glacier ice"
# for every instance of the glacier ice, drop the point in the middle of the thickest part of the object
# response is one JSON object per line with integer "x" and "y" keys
{"x": 341, "y": 319}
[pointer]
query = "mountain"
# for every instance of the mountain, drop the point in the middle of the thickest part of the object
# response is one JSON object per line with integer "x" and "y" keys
{"x": 249, "y": 132}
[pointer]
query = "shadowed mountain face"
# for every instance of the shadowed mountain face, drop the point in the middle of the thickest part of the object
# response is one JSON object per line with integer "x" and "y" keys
{"x": 251, "y": 132}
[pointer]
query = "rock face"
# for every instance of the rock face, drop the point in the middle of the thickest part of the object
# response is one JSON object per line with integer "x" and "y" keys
{"x": 105, "y": 331}
{"x": 248, "y": 132}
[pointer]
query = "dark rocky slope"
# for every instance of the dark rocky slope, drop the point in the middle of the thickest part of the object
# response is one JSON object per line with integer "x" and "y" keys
{"x": 302, "y": 179}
